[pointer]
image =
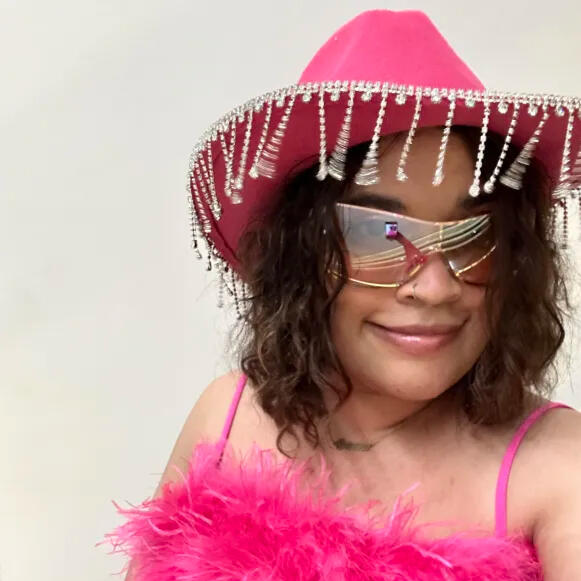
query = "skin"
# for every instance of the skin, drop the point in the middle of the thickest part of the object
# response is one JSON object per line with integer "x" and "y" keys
{"x": 390, "y": 385}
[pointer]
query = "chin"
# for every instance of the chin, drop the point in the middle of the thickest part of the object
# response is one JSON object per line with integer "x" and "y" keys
{"x": 410, "y": 380}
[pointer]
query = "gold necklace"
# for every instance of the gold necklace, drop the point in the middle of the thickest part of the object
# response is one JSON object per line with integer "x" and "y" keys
{"x": 344, "y": 444}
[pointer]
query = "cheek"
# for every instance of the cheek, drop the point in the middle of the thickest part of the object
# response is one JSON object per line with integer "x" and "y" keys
{"x": 389, "y": 370}
{"x": 477, "y": 327}
{"x": 354, "y": 305}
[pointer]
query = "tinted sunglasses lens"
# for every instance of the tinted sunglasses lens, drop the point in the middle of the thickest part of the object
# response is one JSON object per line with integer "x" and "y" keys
{"x": 376, "y": 254}
{"x": 371, "y": 256}
{"x": 472, "y": 260}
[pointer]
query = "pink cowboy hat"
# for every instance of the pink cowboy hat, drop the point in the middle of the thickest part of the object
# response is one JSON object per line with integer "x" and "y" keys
{"x": 388, "y": 72}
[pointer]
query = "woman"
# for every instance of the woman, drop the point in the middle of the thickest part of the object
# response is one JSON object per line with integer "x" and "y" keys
{"x": 403, "y": 302}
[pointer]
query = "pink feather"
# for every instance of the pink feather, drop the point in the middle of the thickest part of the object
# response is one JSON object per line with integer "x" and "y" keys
{"x": 252, "y": 520}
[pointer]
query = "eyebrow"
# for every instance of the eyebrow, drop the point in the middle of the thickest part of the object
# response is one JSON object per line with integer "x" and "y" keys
{"x": 391, "y": 204}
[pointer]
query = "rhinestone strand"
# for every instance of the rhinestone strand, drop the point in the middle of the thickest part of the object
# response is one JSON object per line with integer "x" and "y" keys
{"x": 368, "y": 172}
{"x": 439, "y": 173}
{"x": 205, "y": 193}
{"x": 512, "y": 178}
{"x": 221, "y": 285}
{"x": 209, "y": 260}
{"x": 339, "y": 155}
{"x": 564, "y": 187}
{"x": 244, "y": 295}
{"x": 474, "y": 190}
{"x": 253, "y": 173}
{"x": 206, "y": 226}
{"x": 576, "y": 173}
{"x": 227, "y": 163}
{"x": 491, "y": 182}
{"x": 235, "y": 293}
{"x": 210, "y": 165}
{"x": 230, "y": 160}
{"x": 553, "y": 227}
{"x": 401, "y": 175}
{"x": 194, "y": 226}
{"x": 267, "y": 164}
{"x": 323, "y": 168}
{"x": 213, "y": 199}
{"x": 565, "y": 233}
{"x": 239, "y": 181}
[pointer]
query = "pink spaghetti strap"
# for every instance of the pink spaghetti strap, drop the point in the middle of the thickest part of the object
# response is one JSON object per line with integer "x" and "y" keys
{"x": 231, "y": 413}
{"x": 501, "y": 524}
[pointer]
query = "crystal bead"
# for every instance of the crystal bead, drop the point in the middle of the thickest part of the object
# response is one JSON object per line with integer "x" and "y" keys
{"x": 470, "y": 101}
{"x": 401, "y": 176}
{"x": 306, "y": 97}
{"x": 366, "y": 96}
{"x": 488, "y": 187}
{"x": 474, "y": 190}
{"x": 253, "y": 173}
{"x": 503, "y": 107}
{"x": 533, "y": 110}
{"x": 335, "y": 96}
{"x": 400, "y": 98}
{"x": 560, "y": 111}
{"x": 435, "y": 96}
{"x": 280, "y": 102}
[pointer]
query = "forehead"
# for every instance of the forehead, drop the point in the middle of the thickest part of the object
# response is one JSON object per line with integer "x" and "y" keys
{"x": 417, "y": 196}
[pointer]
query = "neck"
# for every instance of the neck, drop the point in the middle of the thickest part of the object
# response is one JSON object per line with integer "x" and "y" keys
{"x": 367, "y": 418}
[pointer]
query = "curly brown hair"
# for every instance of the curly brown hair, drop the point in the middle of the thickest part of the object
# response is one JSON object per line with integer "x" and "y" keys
{"x": 285, "y": 340}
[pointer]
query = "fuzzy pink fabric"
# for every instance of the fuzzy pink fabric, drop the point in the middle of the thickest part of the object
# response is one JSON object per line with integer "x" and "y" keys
{"x": 251, "y": 520}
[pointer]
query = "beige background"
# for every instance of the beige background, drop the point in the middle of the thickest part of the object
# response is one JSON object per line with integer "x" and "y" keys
{"x": 108, "y": 325}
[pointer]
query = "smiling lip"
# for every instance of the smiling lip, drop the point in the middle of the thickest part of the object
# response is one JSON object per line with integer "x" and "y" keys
{"x": 417, "y": 339}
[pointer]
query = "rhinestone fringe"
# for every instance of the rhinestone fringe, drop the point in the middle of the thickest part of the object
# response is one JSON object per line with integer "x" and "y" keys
{"x": 564, "y": 186}
{"x": 368, "y": 173}
{"x": 512, "y": 178}
{"x": 490, "y": 184}
{"x": 439, "y": 173}
{"x": 323, "y": 169}
{"x": 204, "y": 193}
{"x": 266, "y": 166}
{"x": 339, "y": 155}
{"x": 474, "y": 190}
{"x": 239, "y": 181}
{"x": 401, "y": 175}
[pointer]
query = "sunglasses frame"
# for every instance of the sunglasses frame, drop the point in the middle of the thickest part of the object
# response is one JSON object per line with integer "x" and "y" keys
{"x": 418, "y": 266}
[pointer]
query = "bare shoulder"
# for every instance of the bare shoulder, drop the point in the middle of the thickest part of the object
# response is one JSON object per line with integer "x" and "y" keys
{"x": 555, "y": 434}
{"x": 556, "y": 471}
{"x": 547, "y": 460}
{"x": 556, "y": 439}
{"x": 203, "y": 422}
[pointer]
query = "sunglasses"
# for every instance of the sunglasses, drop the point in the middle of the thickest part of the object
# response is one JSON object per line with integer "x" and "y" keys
{"x": 385, "y": 249}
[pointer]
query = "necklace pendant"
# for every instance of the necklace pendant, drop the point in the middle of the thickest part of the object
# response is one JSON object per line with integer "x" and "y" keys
{"x": 343, "y": 444}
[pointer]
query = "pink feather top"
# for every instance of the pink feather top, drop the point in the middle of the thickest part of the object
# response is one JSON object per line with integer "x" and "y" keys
{"x": 250, "y": 519}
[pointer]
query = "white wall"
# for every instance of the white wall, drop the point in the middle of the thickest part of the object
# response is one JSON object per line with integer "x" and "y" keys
{"x": 109, "y": 329}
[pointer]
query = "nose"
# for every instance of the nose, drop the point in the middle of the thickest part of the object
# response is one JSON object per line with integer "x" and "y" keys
{"x": 434, "y": 283}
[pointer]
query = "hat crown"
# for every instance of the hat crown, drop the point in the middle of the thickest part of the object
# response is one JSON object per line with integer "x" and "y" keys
{"x": 402, "y": 47}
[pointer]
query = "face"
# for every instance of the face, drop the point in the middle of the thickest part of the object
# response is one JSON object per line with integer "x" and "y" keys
{"x": 367, "y": 323}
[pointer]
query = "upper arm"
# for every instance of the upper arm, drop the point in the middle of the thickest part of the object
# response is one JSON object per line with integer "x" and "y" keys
{"x": 557, "y": 535}
{"x": 204, "y": 421}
